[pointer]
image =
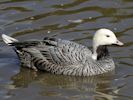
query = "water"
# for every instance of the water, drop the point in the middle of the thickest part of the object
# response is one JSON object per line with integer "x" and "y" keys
{"x": 75, "y": 20}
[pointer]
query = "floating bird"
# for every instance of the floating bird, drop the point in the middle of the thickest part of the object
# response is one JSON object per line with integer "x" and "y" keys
{"x": 67, "y": 57}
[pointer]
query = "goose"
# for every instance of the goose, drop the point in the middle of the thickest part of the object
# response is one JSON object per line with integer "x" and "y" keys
{"x": 65, "y": 57}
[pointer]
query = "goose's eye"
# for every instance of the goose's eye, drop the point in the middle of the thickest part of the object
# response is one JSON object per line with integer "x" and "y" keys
{"x": 107, "y": 36}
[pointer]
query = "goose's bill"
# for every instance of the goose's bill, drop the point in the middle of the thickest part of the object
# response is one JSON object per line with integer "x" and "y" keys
{"x": 119, "y": 43}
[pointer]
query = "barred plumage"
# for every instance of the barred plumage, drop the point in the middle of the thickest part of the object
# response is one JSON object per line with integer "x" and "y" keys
{"x": 62, "y": 57}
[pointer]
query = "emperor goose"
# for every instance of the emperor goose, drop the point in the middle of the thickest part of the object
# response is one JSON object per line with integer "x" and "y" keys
{"x": 66, "y": 57}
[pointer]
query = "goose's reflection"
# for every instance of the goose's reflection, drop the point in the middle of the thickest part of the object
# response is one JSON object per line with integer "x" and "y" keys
{"x": 96, "y": 87}
{"x": 25, "y": 77}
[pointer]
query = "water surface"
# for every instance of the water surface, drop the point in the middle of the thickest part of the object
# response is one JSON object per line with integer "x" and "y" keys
{"x": 75, "y": 20}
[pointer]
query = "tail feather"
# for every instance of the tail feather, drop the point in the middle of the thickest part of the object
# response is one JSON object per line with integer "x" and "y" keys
{"x": 8, "y": 40}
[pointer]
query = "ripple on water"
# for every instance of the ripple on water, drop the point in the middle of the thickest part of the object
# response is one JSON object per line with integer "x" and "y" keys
{"x": 73, "y": 20}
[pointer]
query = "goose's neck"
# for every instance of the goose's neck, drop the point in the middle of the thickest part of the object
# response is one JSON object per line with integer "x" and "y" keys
{"x": 100, "y": 52}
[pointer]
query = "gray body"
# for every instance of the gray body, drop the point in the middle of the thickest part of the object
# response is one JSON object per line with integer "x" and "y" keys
{"x": 61, "y": 57}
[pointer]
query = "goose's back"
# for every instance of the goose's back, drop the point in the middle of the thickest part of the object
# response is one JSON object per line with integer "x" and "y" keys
{"x": 54, "y": 55}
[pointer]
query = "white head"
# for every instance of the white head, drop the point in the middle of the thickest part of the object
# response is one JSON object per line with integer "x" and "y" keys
{"x": 104, "y": 37}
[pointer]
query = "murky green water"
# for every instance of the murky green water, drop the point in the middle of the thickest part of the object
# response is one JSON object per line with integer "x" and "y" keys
{"x": 73, "y": 20}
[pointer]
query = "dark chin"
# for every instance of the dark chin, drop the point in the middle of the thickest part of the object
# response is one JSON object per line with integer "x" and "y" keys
{"x": 111, "y": 45}
{"x": 115, "y": 45}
